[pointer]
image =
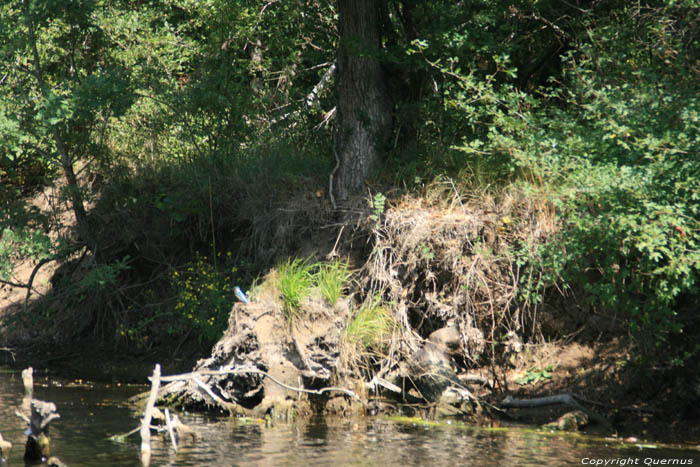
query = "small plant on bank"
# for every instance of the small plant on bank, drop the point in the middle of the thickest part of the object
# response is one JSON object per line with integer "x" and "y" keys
{"x": 378, "y": 204}
{"x": 535, "y": 375}
{"x": 370, "y": 326}
{"x": 294, "y": 282}
{"x": 332, "y": 279}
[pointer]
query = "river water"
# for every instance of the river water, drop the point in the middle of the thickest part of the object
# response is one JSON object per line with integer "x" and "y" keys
{"x": 91, "y": 413}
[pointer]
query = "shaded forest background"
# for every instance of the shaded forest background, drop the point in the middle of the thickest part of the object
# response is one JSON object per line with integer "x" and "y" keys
{"x": 193, "y": 143}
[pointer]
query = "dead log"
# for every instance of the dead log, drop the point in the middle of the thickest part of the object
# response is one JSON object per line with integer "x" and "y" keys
{"x": 567, "y": 399}
{"x": 563, "y": 399}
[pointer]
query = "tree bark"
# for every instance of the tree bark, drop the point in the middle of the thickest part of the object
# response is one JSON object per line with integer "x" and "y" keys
{"x": 364, "y": 103}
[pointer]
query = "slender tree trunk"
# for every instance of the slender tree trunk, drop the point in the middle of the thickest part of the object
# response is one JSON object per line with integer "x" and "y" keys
{"x": 364, "y": 103}
{"x": 76, "y": 199}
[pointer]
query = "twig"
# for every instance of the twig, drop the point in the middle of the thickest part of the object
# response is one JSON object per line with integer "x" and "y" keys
{"x": 206, "y": 389}
{"x": 169, "y": 424}
{"x": 148, "y": 414}
{"x": 334, "y": 253}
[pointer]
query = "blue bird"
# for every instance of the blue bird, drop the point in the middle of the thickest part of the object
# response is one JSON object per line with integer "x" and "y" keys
{"x": 240, "y": 295}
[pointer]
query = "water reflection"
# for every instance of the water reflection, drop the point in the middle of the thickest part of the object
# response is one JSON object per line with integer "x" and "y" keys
{"x": 90, "y": 414}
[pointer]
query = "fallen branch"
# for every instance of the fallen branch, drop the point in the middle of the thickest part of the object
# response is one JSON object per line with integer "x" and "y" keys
{"x": 558, "y": 399}
{"x": 206, "y": 389}
{"x": 470, "y": 379}
{"x": 169, "y": 424}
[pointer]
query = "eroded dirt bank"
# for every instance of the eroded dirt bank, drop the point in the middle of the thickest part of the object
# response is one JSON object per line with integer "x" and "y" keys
{"x": 433, "y": 323}
{"x": 458, "y": 340}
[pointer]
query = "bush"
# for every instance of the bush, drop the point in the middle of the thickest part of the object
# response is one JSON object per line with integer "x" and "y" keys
{"x": 613, "y": 145}
{"x": 204, "y": 297}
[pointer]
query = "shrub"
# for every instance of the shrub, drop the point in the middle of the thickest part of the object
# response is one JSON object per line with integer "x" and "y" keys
{"x": 613, "y": 145}
{"x": 204, "y": 297}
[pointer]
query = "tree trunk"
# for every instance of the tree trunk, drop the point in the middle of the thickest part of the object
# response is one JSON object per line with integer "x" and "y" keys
{"x": 364, "y": 103}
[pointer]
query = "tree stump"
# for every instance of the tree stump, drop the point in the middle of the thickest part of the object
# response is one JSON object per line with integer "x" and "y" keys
{"x": 38, "y": 447}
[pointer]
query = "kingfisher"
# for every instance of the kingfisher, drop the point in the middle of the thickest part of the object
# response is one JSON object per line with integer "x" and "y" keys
{"x": 240, "y": 295}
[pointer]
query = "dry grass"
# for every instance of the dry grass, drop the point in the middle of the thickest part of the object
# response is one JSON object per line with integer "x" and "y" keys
{"x": 451, "y": 257}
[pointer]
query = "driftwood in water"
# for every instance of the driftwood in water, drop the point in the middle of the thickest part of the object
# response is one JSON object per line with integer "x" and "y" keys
{"x": 147, "y": 415}
{"x": 38, "y": 447}
{"x": 176, "y": 429}
{"x": 28, "y": 381}
{"x": 171, "y": 430}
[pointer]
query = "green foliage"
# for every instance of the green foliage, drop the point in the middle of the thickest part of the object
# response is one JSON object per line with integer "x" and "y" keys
{"x": 370, "y": 326}
{"x": 612, "y": 144}
{"x": 197, "y": 114}
{"x": 104, "y": 275}
{"x": 204, "y": 297}
{"x": 378, "y": 204}
{"x": 332, "y": 279}
{"x": 294, "y": 282}
{"x": 536, "y": 375}
{"x": 296, "y": 277}
{"x": 17, "y": 244}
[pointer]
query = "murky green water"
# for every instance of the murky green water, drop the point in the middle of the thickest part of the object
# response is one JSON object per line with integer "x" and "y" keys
{"x": 89, "y": 415}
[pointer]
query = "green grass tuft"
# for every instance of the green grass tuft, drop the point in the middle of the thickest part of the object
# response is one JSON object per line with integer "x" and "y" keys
{"x": 332, "y": 279}
{"x": 294, "y": 282}
{"x": 370, "y": 326}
